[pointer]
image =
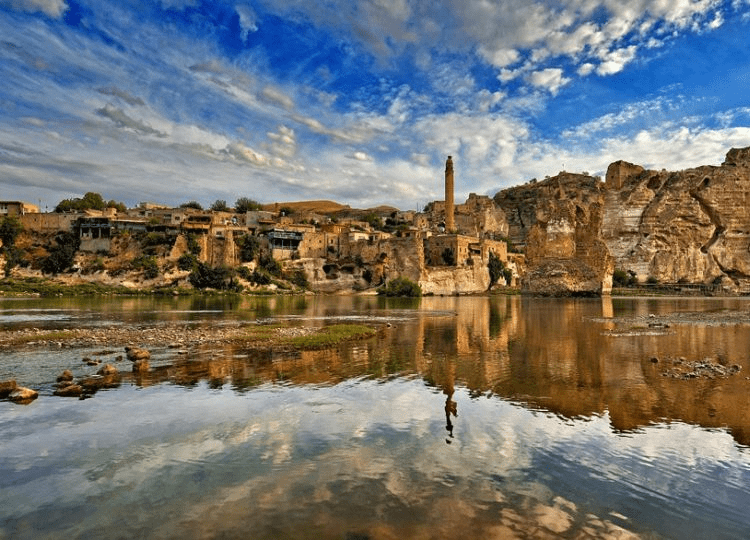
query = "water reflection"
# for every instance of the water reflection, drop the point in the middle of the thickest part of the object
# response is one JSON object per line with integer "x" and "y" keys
{"x": 554, "y": 355}
{"x": 564, "y": 427}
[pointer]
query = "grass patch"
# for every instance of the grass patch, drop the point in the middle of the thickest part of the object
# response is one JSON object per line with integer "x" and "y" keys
{"x": 311, "y": 338}
{"x": 45, "y": 287}
{"x": 329, "y": 336}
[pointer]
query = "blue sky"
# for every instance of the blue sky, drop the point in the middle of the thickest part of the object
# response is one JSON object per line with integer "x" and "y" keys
{"x": 359, "y": 101}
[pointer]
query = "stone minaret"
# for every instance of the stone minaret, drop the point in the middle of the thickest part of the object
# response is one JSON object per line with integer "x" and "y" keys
{"x": 449, "y": 226}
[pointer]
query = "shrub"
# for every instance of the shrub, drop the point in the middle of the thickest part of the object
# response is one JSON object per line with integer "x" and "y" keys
{"x": 269, "y": 264}
{"x": 651, "y": 280}
{"x": 621, "y": 278}
{"x": 155, "y": 239}
{"x": 61, "y": 254}
{"x": 192, "y": 204}
{"x": 148, "y": 264}
{"x": 401, "y": 286}
{"x": 249, "y": 246}
{"x": 193, "y": 245}
{"x": 221, "y": 277}
{"x": 448, "y": 257}
{"x": 187, "y": 261}
{"x": 245, "y": 273}
{"x": 298, "y": 278}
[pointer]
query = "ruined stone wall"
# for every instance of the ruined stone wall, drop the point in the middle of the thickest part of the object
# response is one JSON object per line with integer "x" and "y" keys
{"x": 48, "y": 222}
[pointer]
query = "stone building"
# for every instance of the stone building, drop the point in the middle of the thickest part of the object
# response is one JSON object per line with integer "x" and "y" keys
{"x": 17, "y": 208}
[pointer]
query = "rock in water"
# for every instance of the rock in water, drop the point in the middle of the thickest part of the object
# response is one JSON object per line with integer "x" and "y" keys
{"x": 66, "y": 375}
{"x": 72, "y": 390}
{"x": 136, "y": 353}
{"x": 6, "y": 387}
{"x": 23, "y": 395}
{"x": 107, "y": 369}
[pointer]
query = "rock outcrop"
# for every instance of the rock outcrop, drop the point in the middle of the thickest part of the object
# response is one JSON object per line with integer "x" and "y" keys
{"x": 565, "y": 254}
{"x": 691, "y": 226}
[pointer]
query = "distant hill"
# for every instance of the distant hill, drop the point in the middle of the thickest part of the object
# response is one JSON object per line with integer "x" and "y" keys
{"x": 329, "y": 208}
{"x": 317, "y": 207}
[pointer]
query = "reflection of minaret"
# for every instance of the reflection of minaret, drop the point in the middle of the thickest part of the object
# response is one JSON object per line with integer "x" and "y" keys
{"x": 449, "y": 195}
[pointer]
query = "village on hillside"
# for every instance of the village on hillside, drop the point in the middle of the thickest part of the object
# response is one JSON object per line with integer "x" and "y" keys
{"x": 331, "y": 248}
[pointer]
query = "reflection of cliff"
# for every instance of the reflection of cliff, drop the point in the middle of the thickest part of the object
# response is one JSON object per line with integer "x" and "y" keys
{"x": 553, "y": 354}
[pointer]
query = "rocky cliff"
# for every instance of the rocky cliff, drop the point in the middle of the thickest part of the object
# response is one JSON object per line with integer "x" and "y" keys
{"x": 690, "y": 226}
{"x": 558, "y": 221}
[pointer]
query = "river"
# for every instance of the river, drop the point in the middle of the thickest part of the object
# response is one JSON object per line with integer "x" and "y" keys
{"x": 470, "y": 417}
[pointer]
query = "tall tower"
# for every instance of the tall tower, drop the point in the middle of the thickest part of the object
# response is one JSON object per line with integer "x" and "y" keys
{"x": 449, "y": 226}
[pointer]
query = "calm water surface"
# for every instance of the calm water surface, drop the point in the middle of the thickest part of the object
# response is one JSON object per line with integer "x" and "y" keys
{"x": 465, "y": 417}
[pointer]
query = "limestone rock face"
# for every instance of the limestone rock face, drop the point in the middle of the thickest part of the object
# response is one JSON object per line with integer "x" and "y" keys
{"x": 559, "y": 222}
{"x": 691, "y": 226}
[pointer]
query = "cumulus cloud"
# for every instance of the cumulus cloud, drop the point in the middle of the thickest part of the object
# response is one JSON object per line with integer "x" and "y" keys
{"x": 550, "y": 79}
{"x": 51, "y": 8}
{"x": 614, "y": 61}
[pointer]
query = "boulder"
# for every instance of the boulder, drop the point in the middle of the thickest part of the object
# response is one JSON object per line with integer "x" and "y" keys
{"x": 23, "y": 395}
{"x": 71, "y": 390}
{"x": 6, "y": 387}
{"x": 107, "y": 369}
{"x": 136, "y": 353}
{"x": 66, "y": 375}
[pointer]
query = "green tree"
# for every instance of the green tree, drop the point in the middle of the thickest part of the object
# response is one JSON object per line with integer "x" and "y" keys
{"x": 244, "y": 204}
{"x": 120, "y": 207}
{"x": 192, "y": 204}
{"x": 221, "y": 277}
{"x": 61, "y": 254}
{"x": 220, "y": 205}
{"x": 448, "y": 257}
{"x": 148, "y": 264}
{"x": 90, "y": 201}
{"x": 10, "y": 228}
{"x": 249, "y": 247}
{"x": 401, "y": 286}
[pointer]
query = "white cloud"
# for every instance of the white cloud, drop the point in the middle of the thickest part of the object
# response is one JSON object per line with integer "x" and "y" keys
{"x": 550, "y": 79}
{"x": 362, "y": 156}
{"x": 615, "y": 61}
{"x": 248, "y": 20}
{"x": 51, "y": 8}
{"x": 585, "y": 69}
{"x": 278, "y": 97}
